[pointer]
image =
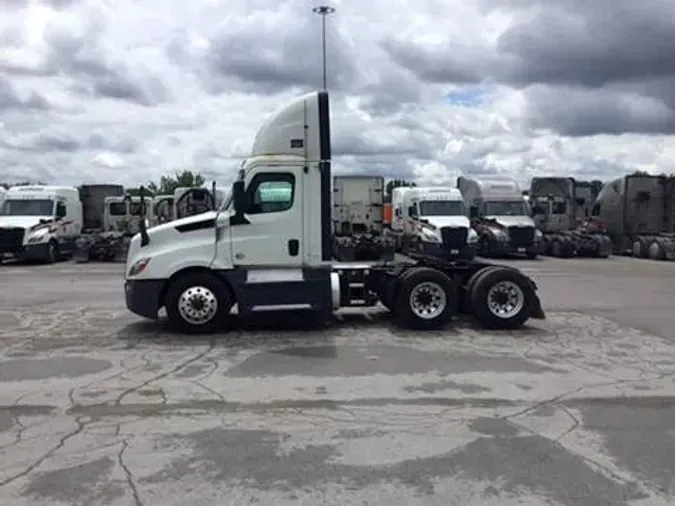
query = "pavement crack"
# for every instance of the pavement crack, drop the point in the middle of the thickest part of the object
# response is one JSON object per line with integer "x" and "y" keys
{"x": 129, "y": 475}
{"x": 40, "y": 460}
{"x": 160, "y": 376}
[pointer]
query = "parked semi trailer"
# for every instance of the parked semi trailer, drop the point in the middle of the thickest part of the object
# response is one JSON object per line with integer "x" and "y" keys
{"x": 266, "y": 256}
{"x": 433, "y": 221}
{"x": 358, "y": 219}
{"x": 501, "y": 217}
{"x": 560, "y": 208}
{"x": 638, "y": 212}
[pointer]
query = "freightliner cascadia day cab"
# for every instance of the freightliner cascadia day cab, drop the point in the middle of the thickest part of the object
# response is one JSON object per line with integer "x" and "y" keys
{"x": 269, "y": 248}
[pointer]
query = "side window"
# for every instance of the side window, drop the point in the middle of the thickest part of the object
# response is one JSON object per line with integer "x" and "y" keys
{"x": 271, "y": 193}
{"x": 118, "y": 209}
{"x": 61, "y": 210}
{"x": 596, "y": 210}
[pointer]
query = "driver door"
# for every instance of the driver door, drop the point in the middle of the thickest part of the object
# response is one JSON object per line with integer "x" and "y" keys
{"x": 273, "y": 230}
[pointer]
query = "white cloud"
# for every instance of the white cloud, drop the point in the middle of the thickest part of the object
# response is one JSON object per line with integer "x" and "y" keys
{"x": 128, "y": 91}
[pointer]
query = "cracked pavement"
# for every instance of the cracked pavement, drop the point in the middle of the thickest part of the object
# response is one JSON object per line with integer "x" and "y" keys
{"x": 100, "y": 407}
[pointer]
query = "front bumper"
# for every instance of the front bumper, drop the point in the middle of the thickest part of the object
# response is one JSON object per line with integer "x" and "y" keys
{"x": 439, "y": 250}
{"x": 506, "y": 248}
{"x": 143, "y": 296}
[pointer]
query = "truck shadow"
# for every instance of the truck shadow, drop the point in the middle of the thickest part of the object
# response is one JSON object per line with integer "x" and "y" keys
{"x": 298, "y": 327}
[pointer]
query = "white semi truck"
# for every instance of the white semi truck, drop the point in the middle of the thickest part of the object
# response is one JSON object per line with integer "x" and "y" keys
{"x": 501, "y": 216}
{"x": 40, "y": 222}
{"x": 266, "y": 254}
{"x": 432, "y": 221}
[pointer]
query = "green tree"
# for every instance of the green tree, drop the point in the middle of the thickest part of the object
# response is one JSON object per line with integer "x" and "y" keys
{"x": 395, "y": 183}
{"x": 168, "y": 184}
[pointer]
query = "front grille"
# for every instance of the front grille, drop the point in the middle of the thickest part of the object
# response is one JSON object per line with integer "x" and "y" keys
{"x": 521, "y": 236}
{"x": 11, "y": 239}
{"x": 454, "y": 237}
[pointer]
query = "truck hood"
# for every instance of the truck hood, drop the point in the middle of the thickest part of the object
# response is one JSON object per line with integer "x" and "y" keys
{"x": 21, "y": 221}
{"x": 512, "y": 221}
{"x": 447, "y": 221}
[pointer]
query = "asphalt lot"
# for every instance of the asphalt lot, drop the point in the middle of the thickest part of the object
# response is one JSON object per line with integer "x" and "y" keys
{"x": 100, "y": 407}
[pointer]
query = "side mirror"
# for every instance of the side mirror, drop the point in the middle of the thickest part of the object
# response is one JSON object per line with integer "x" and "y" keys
{"x": 239, "y": 197}
{"x": 473, "y": 212}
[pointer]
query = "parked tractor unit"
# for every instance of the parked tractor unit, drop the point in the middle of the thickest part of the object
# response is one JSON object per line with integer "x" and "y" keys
{"x": 560, "y": 207}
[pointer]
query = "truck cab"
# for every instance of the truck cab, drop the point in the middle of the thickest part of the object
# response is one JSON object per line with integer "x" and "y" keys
{"x": 434, "y": 222}
{"x": 501, "y": 217}
{"x": 269, "y": 248}
{"x": 40, "y": 222}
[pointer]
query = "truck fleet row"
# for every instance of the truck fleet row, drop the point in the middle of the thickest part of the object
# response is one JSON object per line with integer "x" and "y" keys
{"x": 47, "y": 223}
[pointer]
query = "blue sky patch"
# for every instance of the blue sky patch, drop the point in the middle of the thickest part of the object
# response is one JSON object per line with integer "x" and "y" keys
{"x": 469, "y": 96}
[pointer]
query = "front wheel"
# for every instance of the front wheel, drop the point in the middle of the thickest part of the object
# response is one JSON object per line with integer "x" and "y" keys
{"x": 52, "y": 255}
{"x": 198, "y": 303}
{"x": 499, "y": 298}
{"x": 426, "y": 299}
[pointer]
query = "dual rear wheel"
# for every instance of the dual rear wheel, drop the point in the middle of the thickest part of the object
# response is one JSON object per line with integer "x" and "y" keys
{"x": 497, "y": 296}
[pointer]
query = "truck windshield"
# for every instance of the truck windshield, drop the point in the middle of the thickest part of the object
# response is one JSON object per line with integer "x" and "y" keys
{"x": 507, "y": 208}
{"x": 441, "y": 208}
{"x": 28, "y": 207}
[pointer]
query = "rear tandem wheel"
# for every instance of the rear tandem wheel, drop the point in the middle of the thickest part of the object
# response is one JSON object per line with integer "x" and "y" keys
{"x": 499, "y": 298}
{"x": 425, "y": 299}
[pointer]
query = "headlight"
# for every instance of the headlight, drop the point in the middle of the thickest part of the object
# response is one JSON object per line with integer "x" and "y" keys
{"x": 429, "y": 236}
{"x": 538, "y": 235}
{"x": 38, "y": 236}
{"x": 138, "y": 266}
{"x": 472, "y": 238}
{"x": 500, "y": 233}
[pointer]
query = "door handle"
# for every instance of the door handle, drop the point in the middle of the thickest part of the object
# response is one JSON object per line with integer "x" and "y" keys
{"x": 293, "y": 247}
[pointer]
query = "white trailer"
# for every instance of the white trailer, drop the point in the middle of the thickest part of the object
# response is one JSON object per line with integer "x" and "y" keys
{"x": 40, "y": 222}
{"x": 358, "y": 219}
{"x": 432, "y": 221}
{"x": 274, "y": 254}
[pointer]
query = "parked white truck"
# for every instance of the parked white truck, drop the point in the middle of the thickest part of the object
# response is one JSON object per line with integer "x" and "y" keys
{"x": 500, "y": 215}
{"x": 358, "y": 219}
{"x": 432, "y": 221}
{"x": 266, "y": 255}
{"x": 40, "y": 222}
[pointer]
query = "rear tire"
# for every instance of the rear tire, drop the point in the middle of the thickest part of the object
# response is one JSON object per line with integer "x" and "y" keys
{"x": 198, "y": 303}
{"x": 425, "y": 299}
{"x": 499, "y": 298}
{"x": 531, "y": 255}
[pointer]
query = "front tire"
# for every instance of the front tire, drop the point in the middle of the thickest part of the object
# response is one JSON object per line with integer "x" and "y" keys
{"x": 425, "y": 299}
{"x": 198, "y": 303}
{"x": 499, "y": 298}
{"x": 52, "y": 255}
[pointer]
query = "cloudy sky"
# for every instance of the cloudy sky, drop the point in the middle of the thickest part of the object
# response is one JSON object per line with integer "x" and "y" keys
{"x": 126, "y": 90}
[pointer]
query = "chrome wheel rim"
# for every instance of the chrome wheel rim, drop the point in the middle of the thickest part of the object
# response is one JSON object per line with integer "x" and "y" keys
{"x": 197, "y": 305}
{"x": 428, "y": 300}
{"x": 505, "y": 299}
{"x": 654, "y": 250}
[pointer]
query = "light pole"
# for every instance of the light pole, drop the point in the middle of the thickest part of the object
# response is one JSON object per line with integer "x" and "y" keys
{"x": 323, "y": 11}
